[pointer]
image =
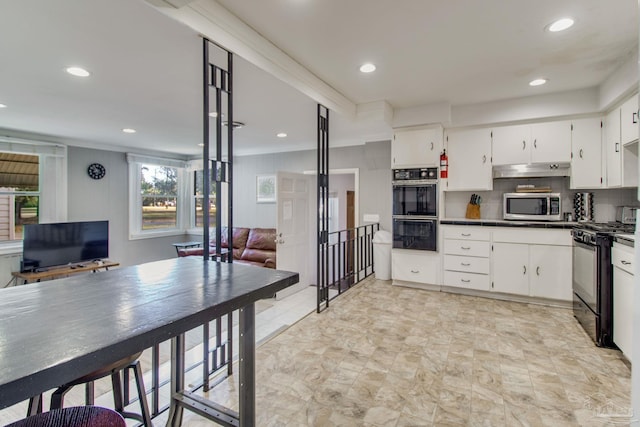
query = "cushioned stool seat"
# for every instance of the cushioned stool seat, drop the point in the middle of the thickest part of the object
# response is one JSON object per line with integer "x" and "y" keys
{"x": 77, "y": 416}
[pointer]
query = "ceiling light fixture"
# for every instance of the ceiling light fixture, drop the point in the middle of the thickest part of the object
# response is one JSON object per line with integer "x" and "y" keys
{"x": 537, "y": 82}
{"x": 128, "y": 130}
{"x": 281, "y": 135}
{"x": 368, "y": 68}
{"x": 78, "y": 72}
{"x": 560, "y": 25}
{"x": 3, "y": 106}
{"x": 201, "y": 144}
{"x": 213, "y": 114}
{"x": 236, "y": 125}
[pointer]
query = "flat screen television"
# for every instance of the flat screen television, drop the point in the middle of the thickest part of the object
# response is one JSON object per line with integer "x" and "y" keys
{"x": 48, "y": 245}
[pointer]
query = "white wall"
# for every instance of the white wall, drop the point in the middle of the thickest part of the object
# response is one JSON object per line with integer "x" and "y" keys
{"x": 108, "y": 199}
{"x": 372, "y": 159}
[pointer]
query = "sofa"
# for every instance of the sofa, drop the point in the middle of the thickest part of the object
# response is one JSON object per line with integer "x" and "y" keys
{"x": 254, "y": 246}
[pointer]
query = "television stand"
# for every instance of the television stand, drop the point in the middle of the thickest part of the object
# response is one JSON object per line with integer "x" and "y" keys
{"x": 62, "y": 271}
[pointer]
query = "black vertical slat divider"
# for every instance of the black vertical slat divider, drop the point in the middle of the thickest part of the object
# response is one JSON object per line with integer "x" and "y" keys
{"x": 221, "y": 81}
{"x": 322, "y": 256}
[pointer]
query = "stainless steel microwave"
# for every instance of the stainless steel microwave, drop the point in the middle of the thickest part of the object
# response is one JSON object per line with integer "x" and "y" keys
{"x": 532, "y": 206}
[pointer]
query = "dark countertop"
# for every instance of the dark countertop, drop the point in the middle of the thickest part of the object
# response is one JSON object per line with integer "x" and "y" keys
{"x": 54, "y": 332}
{"x": 505, "y": 223}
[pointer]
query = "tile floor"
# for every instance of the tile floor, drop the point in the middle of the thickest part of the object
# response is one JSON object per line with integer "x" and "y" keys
{"x": 383, "y": 355}
{"x": 390, "y": 356}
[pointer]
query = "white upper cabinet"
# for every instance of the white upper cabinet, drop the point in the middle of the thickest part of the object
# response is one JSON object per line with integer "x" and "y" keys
{"x": 586, "y": 153}
{"x": 629, "y": 120}
{"x": 416, "y": 148}
{"x": 469, "y": 154}
{"x": 611, "y": 143}
{"x": 511, "y": 145}
{"x": 534, "y": 143}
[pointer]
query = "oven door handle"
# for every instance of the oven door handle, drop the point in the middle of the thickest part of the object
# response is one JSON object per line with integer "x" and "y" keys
{"x": 415, "y": 218}
{"x": 584, "y": 246}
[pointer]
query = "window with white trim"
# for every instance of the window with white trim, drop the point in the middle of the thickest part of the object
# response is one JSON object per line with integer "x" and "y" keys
{"x": 33, "y": 185}
{"x": 157, "y": 196}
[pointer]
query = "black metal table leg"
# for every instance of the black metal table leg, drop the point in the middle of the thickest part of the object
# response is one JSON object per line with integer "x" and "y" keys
{"x": 177, "y": 380}
{"x": 247, "y": 356}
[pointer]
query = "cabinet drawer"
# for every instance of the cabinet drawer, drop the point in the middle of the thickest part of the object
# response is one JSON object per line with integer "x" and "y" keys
{"x": 467, "y": 247}
{"x": 466, "y": 264}
{"x": 622, "y": 259}
{"x": 414, "y": 267}
{"x": 464, "y": 233}
{"x": 467, "y": 280}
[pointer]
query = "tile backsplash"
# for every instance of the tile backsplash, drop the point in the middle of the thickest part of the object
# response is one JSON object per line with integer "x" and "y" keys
{"x": 605, "y": 201}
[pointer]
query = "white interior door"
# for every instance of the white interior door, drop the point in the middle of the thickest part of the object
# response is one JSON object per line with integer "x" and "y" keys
{"x": 293, "y": 195}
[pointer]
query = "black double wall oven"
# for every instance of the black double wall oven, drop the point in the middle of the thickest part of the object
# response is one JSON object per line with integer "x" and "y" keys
{"x": 415, "y": 208}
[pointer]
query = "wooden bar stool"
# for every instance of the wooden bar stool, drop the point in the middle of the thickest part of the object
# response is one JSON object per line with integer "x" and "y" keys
{"x": 114, "y": 370}
{"x": 76, "y": 416}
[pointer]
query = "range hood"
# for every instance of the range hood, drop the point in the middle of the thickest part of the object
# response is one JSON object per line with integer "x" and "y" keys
{"x": 533, "y": 170}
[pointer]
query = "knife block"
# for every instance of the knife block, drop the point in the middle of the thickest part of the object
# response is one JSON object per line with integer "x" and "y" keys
{"x": 473, "y": 211}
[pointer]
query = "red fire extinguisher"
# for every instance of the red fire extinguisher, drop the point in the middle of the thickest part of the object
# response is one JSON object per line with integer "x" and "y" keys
{"x": 444, "y": 165}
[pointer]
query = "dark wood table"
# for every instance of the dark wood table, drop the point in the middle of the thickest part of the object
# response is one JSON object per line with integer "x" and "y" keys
{"x": 54, "y": 332}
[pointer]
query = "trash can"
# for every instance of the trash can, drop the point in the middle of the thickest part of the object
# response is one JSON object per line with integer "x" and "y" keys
{"x": 382, "y": 254}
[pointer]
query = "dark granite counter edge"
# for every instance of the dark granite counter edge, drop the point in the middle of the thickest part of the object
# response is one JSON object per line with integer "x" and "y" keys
{"x": 521, "y": 224}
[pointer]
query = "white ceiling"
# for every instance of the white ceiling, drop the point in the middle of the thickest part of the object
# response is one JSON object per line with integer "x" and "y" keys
{"x": 146, "y": 67}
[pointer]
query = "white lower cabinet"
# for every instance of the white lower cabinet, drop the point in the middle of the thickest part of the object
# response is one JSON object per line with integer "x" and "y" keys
{"x": 532, "y": 262}
{"x": 511, "y": 268}
{"x": 466, "y": 258}
{"x": 623, "y": 272}
{"x": 415, "y": 266}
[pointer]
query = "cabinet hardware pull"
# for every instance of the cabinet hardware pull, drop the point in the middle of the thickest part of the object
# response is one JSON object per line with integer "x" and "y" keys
{"x": 538, "y": 270}
{"x": 484, "y": 159}
{"x": 535, "y": 143}
{"x": 432, "y": 146}
{"x": 465, "y": 281}
{"x": 524, "y": 269}
{"x": 466, "y": 248}
{"x": 617, "y": 147}
{"x": 524, "y": 144}
{"x": 465, "y": 264}
{"x": 625, "y": 262}
{"x": 465, "y": 234}
{"x": 415, "y": 271}
{"x": 634, "y": 117}
{"x": 581, "y": 153}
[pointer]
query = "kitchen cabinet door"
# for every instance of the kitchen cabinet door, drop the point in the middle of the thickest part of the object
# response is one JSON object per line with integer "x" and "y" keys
{"x": 469, "y": 154}
{"x": 511, "y": 268}
{"x": 629, "y": 120}
{"x": 550, "y": 272}
{"x": 586, "y": 154}
{"x": 416, "y": 148}
{"x": 623, "y": 310}
{"x": 511, "y": 145}
{"x": 611, "y": 132}
{"x": 551, "y": 142}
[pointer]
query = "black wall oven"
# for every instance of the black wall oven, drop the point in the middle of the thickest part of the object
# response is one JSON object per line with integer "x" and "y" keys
{"x": 415, "y": 208}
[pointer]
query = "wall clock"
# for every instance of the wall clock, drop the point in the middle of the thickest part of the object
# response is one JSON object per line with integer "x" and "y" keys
{"x": 96, "y": 171}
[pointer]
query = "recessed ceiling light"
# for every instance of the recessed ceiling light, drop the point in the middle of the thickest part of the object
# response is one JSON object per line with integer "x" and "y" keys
{"x": 3, "y": 106}
{"x": 537, "y": 82}
{"x": 368, "y": 68}
{"x": 281, "y": 135}
{"x": 213, "y": 114}
{"x": 78, "y": 72}
{"x": 561, "y": 25}
{"x": 128, "y": 130}
{"x": 201, "y": 145}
